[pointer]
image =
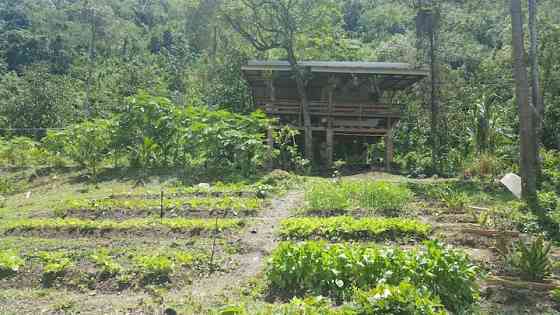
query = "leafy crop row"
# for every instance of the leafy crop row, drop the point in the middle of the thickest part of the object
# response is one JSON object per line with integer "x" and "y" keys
{"x": 367, "y": 195}
{"x": 90, "y": 226}
{"x": 153, "y": 268}
{"x": 210, "y": 203}
{"x": 402, "y": 299}
{"x": 346, "y": 228}
{"x": 318, "y": 268}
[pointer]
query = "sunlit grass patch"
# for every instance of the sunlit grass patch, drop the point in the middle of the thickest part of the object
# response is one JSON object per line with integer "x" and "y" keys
{"x": 363, "y": 194}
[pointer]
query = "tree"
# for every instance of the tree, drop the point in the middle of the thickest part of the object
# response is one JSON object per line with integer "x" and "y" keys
{"x": 528, "y": 147}
{"x": 535, "y": 77}
{"x": 269, "y": 25}
{"x": 427, "y": 26}
{"x": 538, "y": 105}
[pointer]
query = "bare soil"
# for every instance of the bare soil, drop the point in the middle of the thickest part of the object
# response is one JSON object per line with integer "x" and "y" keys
{"x": 259, "y": 239}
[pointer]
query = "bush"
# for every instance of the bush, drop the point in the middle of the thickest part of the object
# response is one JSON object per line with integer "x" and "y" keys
{"x": 87, "y": 144}
{"x": 532, "y": 260}
{"x": 551, "y": 170}
{"x": 10, "y": 263}
{"x": 108, "y": 267}
{"x": 484, "y": 165}
{"x": 348, "y": 228}
{"x": 55, "y": 265}
{"x": 21, "y": 152}
{"x": 155, "y": 133}
{"x": 318, "y": 268}
{"x": 154, "y": 269}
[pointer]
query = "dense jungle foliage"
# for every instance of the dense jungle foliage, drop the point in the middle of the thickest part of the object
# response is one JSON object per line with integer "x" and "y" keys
{"x": 157, "y": 68}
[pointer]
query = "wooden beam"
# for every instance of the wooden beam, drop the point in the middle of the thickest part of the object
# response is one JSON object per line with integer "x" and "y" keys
{"x": 389, "y": 146}
{"x": 270, "y": 149}
{"x": 330, "y": 146}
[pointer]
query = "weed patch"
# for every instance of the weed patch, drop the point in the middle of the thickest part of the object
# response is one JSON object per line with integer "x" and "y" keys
{"x": 346, "y": 195}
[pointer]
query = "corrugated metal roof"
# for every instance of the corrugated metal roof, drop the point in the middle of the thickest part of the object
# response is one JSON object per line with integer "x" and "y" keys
{"x": 389, "y": 68}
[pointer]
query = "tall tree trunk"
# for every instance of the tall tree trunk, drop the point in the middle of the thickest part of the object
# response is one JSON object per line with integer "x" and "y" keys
{"x": 434, "y": 69}
{"x": 526, "y": 128}
{"x": 302, "y": 91}
{"x": 91, "y": 61}
{"x": 538, "y": 105}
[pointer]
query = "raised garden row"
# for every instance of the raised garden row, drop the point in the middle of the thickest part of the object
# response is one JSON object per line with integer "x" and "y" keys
{"x": 48, "y": 227}
{"x": 103, "y": 269}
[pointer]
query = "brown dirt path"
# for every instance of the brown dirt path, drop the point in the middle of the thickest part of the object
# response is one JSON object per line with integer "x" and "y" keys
{"x": 259, "y": 240}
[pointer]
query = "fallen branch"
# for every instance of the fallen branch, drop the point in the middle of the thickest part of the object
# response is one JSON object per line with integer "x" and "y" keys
{"x": 516, "y": 283}
{"x": 490, "y": 233}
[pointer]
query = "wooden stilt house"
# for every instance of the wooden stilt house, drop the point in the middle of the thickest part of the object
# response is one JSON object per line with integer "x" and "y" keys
{"x": 346, "y": 99}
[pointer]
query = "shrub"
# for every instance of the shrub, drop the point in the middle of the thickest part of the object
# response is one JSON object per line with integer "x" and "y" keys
{"x": 87, "y": 144}
{"x": 318, "y": 268}
{"x": 484, "y": 165}
{"x": 21, "y": 152}
{"x": 551, "y": 170}
{"x": 10, "y": 262}
{"x": 107, "y": 265}
{"x": 154, "y": 269}
{"x": 346, "y": 228}
{"x": 532, "y": 260}
{"x": 55, "y": 265}
{"x": 404, "y": 299}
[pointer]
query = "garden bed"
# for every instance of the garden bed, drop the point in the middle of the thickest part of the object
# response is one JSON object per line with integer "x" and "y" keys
{"x": 348, "y": 228}
{"x": 207, "y": 207}
{"x": 62, "y": 227}
{"x": 107, "y": 271}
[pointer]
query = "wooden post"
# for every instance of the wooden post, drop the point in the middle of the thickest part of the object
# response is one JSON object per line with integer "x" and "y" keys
{"x": 330, "y": 131}
{"x": 270, "y": 142}
{"x": 389, "y": 145}
{"x": 330, "y": 137}
{"x": 269, "y": 132}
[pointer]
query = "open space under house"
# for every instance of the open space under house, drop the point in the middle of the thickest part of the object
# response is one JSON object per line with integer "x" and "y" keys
{"x": 350, "y": 103}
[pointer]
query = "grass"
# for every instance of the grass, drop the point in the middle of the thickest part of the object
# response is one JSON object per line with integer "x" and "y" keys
{"x": 456, "y": 195}
{"x": 354, "y": 194}
{"x": 348, "y": 228}
{"x": 91, "y": 226}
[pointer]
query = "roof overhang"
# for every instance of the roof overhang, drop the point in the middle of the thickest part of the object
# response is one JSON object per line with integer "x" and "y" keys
{"x": 381, "y": 68}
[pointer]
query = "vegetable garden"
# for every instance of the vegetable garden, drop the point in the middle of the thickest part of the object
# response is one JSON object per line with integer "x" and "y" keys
{"x": 342, "y": 246}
